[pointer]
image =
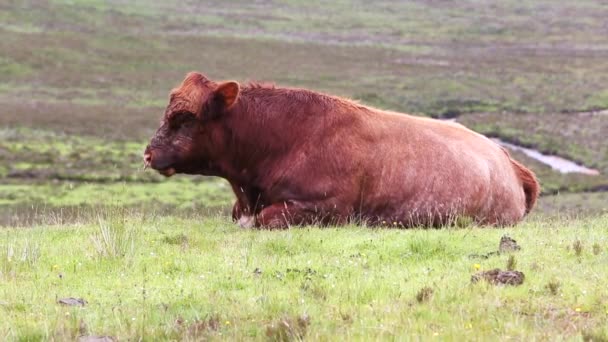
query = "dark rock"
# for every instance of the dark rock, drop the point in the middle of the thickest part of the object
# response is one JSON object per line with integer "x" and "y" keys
{"x": 507, "y": 244}
{"x": 499, "y": 277}
{"x": 94, "y": 338}
{"x": 72, "y": 301}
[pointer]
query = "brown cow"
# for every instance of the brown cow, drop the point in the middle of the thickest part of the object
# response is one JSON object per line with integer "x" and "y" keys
{"x": 294, "y": 156}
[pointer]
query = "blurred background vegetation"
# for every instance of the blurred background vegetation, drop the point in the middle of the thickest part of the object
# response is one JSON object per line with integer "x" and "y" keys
{"x": 84, "y": 83}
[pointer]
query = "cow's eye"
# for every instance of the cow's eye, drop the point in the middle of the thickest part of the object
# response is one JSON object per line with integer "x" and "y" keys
{"x": 181, "y": 119}
{"x": 188, "y": 123}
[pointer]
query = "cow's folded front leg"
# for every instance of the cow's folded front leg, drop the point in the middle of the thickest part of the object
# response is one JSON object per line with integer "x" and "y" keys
{"x": 237, "y": 212}
{"x": 242, "y": 216}
{"x": 242, "y": 212}
{"x": 289, "y": 213}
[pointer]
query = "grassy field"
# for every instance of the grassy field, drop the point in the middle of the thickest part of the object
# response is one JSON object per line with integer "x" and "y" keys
{"x": 83, "y": 84}
{"x": 167, "y": 278}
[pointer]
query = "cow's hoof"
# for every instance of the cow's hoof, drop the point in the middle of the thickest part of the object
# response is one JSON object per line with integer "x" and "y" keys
{"x": 246, "y": 221}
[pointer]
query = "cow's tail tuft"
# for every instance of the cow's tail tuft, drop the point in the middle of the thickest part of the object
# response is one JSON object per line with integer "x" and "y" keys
{"x": 530, "y": 184}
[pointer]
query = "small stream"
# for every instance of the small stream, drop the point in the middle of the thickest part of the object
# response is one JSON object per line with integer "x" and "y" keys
{"x": 559, "y": 164}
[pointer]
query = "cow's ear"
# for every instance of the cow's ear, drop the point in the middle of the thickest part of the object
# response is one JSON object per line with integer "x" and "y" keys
{"x": 228, "y": 93}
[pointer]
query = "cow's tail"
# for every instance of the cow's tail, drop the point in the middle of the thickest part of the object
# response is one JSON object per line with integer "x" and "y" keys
{"x": 530, "y": 184}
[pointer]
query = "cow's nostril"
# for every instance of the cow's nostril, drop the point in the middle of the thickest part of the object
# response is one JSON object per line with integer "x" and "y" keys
{"x": 147, "y": 158}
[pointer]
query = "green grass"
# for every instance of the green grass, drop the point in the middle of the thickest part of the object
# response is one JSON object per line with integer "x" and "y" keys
{"x": 161, "y": 278}
{"x": 47, "y": 155}
{"x": 181, "y": 194}
{"x": 572, "y": 205}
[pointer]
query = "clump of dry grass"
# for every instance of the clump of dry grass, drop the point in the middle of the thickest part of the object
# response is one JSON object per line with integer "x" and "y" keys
{"x": 424, "y": 294}
{"x": 15, "y": 254}
{"x": 597, "y": 249}
{"x": 511, "y": 263}
{"x": 114, "y": 238}
{"x": 553, "y": 286}
{"x": 577, "y": 246}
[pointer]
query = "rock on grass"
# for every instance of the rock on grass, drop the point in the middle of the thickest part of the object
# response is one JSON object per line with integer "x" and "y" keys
{"x": 499, "y": 277}
{"x": 72, "y": 301}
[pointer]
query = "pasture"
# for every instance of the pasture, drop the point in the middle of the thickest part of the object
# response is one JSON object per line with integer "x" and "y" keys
{"x": 197, "y": 278}
{"x": 83, "y": 85}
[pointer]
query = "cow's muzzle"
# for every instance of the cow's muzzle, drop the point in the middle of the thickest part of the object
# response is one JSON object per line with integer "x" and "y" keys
{"x": 156, "y": 163}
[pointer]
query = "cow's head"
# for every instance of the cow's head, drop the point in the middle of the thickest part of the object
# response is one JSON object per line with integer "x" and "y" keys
{"x": 188, "y": 138}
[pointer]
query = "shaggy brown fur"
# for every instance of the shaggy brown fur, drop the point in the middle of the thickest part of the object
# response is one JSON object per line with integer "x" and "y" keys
{"x": 294, "y": 156}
